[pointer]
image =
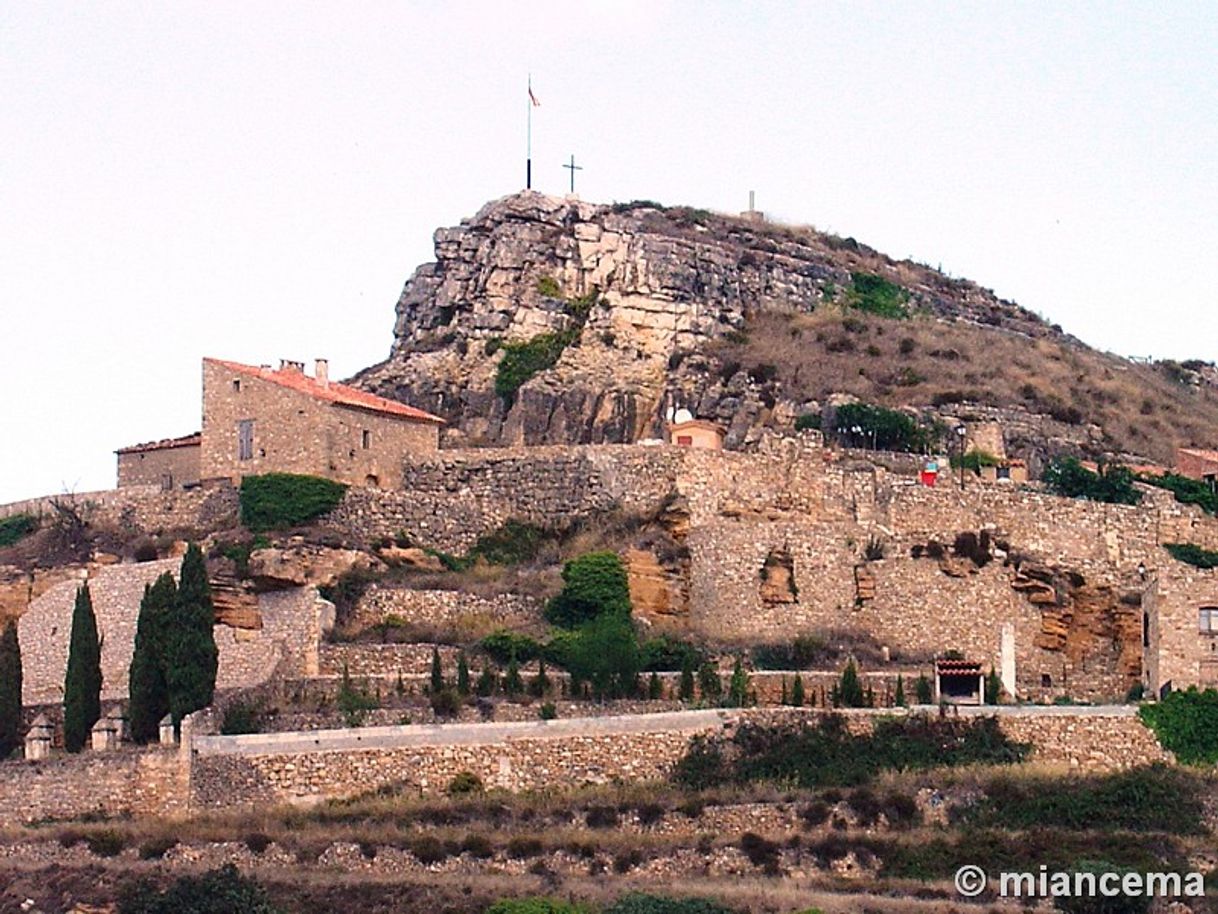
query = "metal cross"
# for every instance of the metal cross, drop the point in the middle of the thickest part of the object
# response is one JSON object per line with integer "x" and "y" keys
{"x": 573, "y": 168}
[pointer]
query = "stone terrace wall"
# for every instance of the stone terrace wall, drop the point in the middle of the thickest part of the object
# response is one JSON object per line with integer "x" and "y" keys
{"x": 313, "y": 765}
{"x": 129, "y": 781}
{"x": 143, "y": 508}
{"x": 287, "y": 641}
{"x": 451, "y": 499}
{"x": 443, "y": 608}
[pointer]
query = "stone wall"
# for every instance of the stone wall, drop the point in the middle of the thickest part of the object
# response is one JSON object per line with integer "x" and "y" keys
{"x": 449, "y": 608}
{"x": 124, "y": 782}
{"x": 142, "y": 508}
{"x": 449, "y": 500}
{"x": 287, "y": 642}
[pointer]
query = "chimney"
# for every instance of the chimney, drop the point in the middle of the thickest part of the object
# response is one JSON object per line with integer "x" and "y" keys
{"x": 289, "y": 365}
{"x": 322, "y": 372}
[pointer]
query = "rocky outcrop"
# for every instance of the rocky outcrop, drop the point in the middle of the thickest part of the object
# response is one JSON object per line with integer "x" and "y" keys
{"x": 302, "y": 564}
{"x": 640, "y": 296}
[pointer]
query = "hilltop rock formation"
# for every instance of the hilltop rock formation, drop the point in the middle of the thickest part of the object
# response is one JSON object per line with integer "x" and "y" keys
{"x": 642, "y": 296}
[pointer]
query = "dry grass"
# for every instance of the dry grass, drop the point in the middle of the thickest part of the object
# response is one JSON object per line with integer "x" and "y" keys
{"x": 924, "y": 361}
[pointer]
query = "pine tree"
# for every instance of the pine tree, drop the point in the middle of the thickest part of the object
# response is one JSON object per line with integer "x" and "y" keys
{"x": 797, "y": 692}
{"x": 437, "y": 672}
{"x": 899, "y": 700}
{"x": 190, "y": 644}
{"x": 10, "y": 690}
{"x": 147, "y": 690}
{"x": 83, "y": 680}
{"x": 685, "y": 690}
{"x": 655, "y": 691}
{"x": 462, "y": 675}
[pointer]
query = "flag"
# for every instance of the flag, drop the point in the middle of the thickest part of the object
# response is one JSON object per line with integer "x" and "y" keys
{"x": 533, "y": 98}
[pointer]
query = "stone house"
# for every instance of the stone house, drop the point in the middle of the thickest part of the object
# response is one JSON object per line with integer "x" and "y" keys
{"x": 170, "y": 463}
{"x": 696, "y": 433}
{"x": 1197, "y": 464}
{"x": 259, "y": 420}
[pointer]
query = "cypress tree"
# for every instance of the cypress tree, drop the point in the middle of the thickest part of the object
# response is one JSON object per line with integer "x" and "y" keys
{"x": 83, "y": 680}
{"x": 709, "y": 683}
{"x": 850, "y": 689}
{"x": 685, "y": 691}
{"x": 512, "y": 683}
{"x": 541, "y": 684}
{"x": 797, "y": 692}
{"x": 923, "y": 690}
{"x": 462, "y": 675}
{"x": 147, "y": 690}
{"x": 899, "y": 700}
{"x": 10, "y": 690}
{"x": 190, "y": 644}
{"x": 437, "y": 672}
{"x": 783, "y": 699}
{"x": 738, "y": 688}
{"x": 655, "y": 690}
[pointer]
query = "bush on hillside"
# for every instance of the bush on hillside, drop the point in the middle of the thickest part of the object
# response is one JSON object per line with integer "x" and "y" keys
{"x": 876, "y": 295}
{"x": 593, "y": 585}
{"x": 221, "y": 891}
{"x": 878, "y": 427}
{"x": 521, "y": 361}
{"x": 1187, "y": 491}
{"x": 16, "y": 527}
{"x": 534, "y": 906}
{"x": 658, "y": 904}
{"x": 503, "y": 645}
{"x": 1112, "y": 484}
{"x": 1192, "y": 554}
{"x": 1186, "y": 723}
{"x": 273, "y": 501}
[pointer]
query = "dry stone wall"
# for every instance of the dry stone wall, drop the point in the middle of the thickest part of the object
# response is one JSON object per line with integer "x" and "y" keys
{"x": 449, "y": 608}
{"x": 143, "y": 508}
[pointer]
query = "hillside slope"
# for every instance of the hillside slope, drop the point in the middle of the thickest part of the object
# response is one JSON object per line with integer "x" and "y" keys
{"x": 606, "y": 316}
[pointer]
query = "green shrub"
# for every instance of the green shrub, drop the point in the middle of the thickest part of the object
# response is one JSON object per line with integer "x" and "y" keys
{"x": 106, "y": 843}
{"x": 1186, "y": 723}
{"x": 825, "y": 752}
{"x": 242, "y": 717}
{"x": 1154, "y": 798}
{"x": 884, "y": 429}
{"x": 1187, "y": 491}
{"x": 1097, "y": 903}
{"x": 974, "y": 460}
{"x": 548, "y": 286}
{"x": 273, "y": 501}
{"x": 354, "y": 702}
{"x": 503, "y": 645}
{"x": 464, "y": 782}
{"x": 1192, "y": 554}
{"x": 1112, "y": 484}
{"x": 446, "y": 703}
{"x": 658, "y": 904}
{"x": 547, "y": 711}
{"x": 800, "y": 654}
{"x": 876, "y": 295}
{"x": 665, "y": 654}
{"x": 524, "y": 359}
{"x": 807, "y": 421}
{"x": 604, "y": 653}
{"x": 534, "y": 906}
{"x": 220, "y": 891}
{"x": 16, "y": 527}
{"x": 593, "y": 585}
{"x": 512, "y": 543}
{"x": 923, "y": 690}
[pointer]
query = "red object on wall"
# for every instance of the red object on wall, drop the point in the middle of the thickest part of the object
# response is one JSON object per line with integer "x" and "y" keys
{"x": 929, "y": 477}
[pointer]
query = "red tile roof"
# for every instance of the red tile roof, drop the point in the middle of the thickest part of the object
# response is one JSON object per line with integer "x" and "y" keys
{"x": 331, "y": 391}
{"x": 1199, "y": 452}
{"x": 958, "y": 667}
{"x": 163, "y": 445}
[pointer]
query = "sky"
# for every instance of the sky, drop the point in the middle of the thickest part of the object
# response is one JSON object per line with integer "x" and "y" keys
{"x": 257, "y": 180}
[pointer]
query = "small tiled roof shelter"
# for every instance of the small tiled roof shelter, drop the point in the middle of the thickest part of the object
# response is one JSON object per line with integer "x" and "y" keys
{"x": 960, "y": 682}
{"x": 697, "y": 433}
{"x": 1197, "y": 463}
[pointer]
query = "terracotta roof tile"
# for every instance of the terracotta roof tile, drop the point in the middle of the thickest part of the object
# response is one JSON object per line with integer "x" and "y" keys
{"x": 331, "y": 392}
{"x": 163, "y": 445}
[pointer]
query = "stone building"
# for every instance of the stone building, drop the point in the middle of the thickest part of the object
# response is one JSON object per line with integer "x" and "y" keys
{"x": 1197, "y": 464}
{"x": 696, "y": 433}
{"x": 171, "y": 463}
{"x": 259, "y": 420}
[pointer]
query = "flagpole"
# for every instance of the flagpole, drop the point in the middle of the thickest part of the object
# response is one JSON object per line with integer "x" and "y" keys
{"x": 528, "y": 162}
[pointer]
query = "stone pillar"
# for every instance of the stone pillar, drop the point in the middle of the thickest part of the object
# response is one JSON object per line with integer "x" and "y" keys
{"x": 1007, "y": 653}
{"x": 38, "y": 739}
{"x": 165, "y": 731}
{"x": 104, "y": 735}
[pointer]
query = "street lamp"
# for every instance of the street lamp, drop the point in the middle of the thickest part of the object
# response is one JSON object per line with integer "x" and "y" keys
{"x": 960, "y": 432}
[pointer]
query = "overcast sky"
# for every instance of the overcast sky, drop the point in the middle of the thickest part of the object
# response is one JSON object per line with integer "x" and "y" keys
{"x": 256, "y": 180}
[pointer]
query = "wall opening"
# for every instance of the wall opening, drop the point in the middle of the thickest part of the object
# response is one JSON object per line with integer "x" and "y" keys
{"x": 778, "y": 578}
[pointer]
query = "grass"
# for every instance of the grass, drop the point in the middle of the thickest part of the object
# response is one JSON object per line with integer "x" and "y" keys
{"x": 939, "y": 362}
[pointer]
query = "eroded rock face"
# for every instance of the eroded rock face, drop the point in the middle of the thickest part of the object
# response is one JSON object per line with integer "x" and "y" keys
{"x": 298, "y": 565}
{"x": 667, "y": 283}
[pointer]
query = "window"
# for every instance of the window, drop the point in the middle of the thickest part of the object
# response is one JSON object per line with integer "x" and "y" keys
{"x": 1207, "y": 620}
{"x": 166, "y": 481}
{"x": 685, "y": 440}
{"x": 237, "y": 386}
{"x": 1004, "y": 473}
{"x": 245, "y": 439}
{"x": 366, "y": 439}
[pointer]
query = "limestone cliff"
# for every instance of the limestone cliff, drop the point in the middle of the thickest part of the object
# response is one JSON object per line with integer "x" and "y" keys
{"x": 635, "y": 308}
